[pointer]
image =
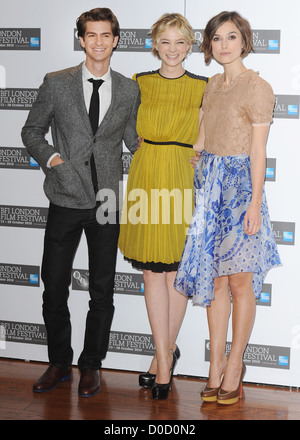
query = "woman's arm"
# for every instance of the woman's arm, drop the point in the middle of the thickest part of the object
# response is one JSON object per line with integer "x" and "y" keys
{"x": 252, "y": 220}
{"x": 199, "y": 145}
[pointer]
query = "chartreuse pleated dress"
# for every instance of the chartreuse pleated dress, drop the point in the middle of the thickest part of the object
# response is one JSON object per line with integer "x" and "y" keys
{"x": 158, "y": 202}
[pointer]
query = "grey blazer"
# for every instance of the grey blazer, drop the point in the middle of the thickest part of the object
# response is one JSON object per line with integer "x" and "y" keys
{"x": 60, "y": 104}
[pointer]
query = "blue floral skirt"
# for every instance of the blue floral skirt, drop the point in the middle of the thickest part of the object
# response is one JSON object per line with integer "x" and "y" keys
{"x": 216, "y": 244}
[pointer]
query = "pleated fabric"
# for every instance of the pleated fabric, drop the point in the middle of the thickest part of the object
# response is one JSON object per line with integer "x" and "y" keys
{"x": 158, "y": 203}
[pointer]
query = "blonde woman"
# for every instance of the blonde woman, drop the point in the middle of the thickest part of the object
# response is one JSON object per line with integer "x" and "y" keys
{"x": 159, "y": 189}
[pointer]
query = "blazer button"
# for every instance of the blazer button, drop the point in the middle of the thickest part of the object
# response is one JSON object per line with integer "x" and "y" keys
{"x": 94, "y": 140}
{"x": 86, "y": 162}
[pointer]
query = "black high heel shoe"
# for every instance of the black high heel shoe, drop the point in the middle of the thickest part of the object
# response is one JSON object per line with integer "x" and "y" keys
{"x": 147, "y": 380}
{"x": 161, "y": 390}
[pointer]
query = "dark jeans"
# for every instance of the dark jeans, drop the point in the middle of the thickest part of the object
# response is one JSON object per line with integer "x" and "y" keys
{"x": 62, "y": 235}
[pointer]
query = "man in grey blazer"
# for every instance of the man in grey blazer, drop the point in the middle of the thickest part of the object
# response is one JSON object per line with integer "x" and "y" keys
{"x": 83, "y": 170}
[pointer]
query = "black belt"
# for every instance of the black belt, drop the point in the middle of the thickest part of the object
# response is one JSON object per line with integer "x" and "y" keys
{"x": 180, "y": 144}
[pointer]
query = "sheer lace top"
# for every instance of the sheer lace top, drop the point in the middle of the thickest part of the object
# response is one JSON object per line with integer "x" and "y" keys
{"x": 231, "y": 112}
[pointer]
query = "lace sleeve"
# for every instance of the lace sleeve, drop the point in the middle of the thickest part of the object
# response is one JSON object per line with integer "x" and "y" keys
{"x": 260, "y": 102}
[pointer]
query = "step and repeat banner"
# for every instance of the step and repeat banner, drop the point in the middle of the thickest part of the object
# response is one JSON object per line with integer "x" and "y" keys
{"x": 39, "y": 37}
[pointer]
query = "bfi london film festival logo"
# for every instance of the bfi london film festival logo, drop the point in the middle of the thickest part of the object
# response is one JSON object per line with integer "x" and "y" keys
{"x": 258, "y": 355}
{"x": 17, "y": 98}
{"x": 125, "y": 283}
{"x": 22, "y": 332}
{"x": 23, "y": 216}
{"x": 131, "y": 343}
{"x": 19, "y": 275}
{"x": 126, "y": 160}
{"x": 17, "y": 158}
{"x": 131, "y": 40}
{"x": 20, "y": 38}
{"x": 286, "y": 106}
{"x": 265, "y": 296}
{"x": 284, "y": 232}
{"x": 270, "y": 170}
{"x": 264, "y": 41}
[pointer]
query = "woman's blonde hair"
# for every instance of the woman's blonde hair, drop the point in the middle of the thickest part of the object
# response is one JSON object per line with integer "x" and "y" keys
{"x": 214, "y": 23}
{"x": 167, "y": 21}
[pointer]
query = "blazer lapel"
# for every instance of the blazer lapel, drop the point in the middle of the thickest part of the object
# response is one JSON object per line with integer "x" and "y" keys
{"x": 113, "y": 104}
{"x": 77, "y": 92}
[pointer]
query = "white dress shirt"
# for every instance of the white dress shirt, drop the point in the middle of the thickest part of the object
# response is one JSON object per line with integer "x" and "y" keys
{"x": 104, "y": 91}
{"x": 104, "y": 95}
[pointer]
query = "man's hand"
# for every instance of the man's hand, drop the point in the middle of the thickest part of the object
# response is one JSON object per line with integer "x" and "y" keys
{"x": 140, "y": 140}
{"x": 56, "y": 161}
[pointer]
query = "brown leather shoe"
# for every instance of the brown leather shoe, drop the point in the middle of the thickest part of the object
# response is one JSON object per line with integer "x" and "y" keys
{"x": 89, "y": 384}
{"x": 51, "y": 378}
{"x": 209, "y": 394}
{"x": 230, "y": 397}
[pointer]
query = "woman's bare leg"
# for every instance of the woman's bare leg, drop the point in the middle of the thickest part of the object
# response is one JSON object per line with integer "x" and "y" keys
{"x": 218, "y": 315}
{"x": 177, "y": 309}
{"x": 243, "y": 316}
{"x": 166, "y": 309}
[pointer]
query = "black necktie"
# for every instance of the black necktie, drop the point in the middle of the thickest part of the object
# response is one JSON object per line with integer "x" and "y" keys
{"x": 95, "y": 104}
{"x": 94, "y": 111}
